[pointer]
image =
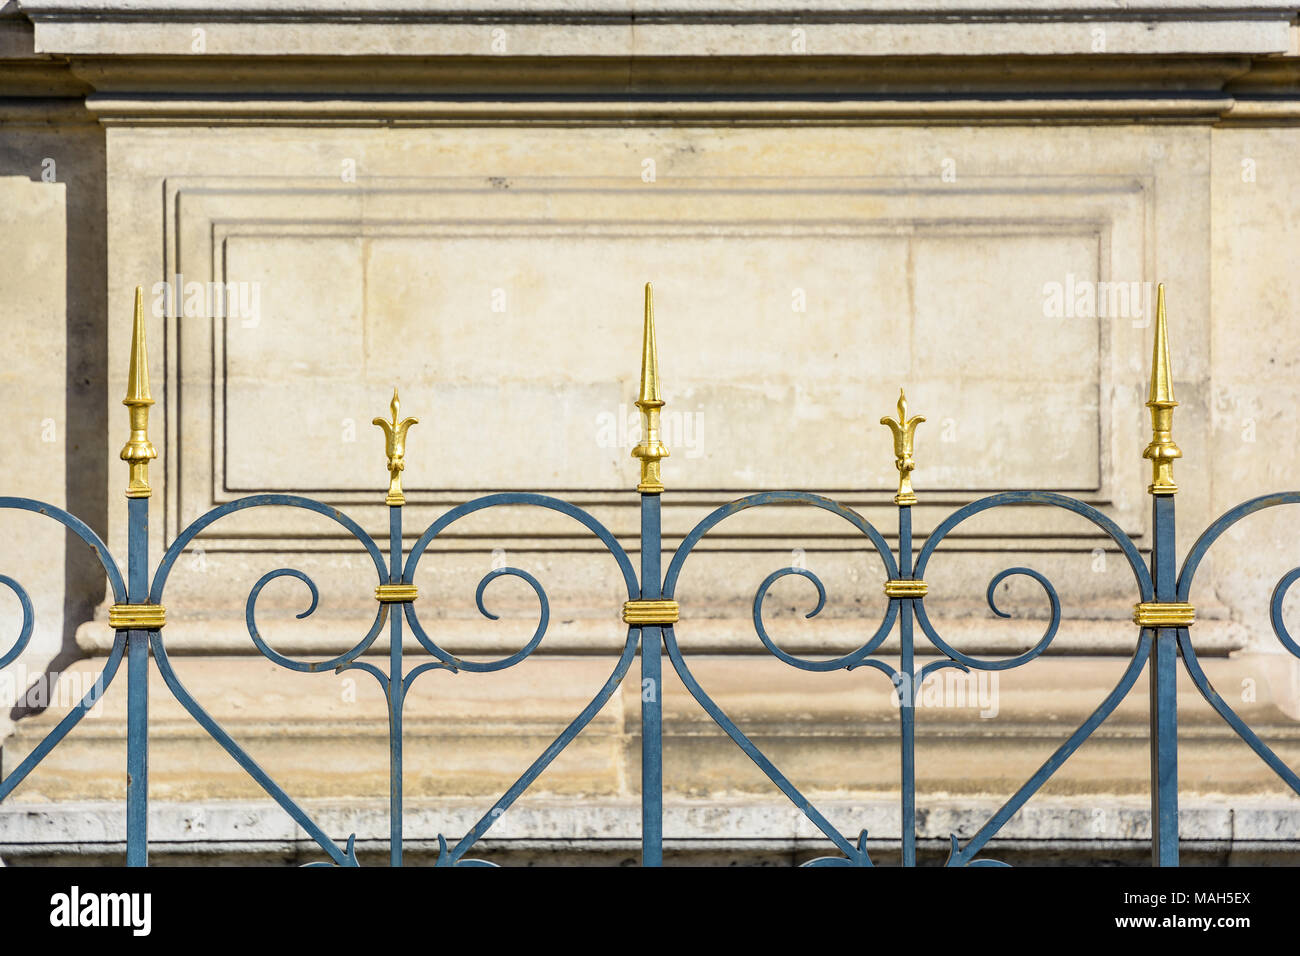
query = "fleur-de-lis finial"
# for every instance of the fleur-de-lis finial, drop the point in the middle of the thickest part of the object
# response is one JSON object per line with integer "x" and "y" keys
{"x": 395, "y": 441}
{"x": 904, "y": 430}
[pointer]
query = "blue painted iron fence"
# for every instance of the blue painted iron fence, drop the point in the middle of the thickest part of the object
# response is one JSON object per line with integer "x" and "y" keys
{"x": 1163, "y": 614}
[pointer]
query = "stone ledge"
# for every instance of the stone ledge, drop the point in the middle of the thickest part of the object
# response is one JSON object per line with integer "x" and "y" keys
{"x": 159, "y": 110}
{"x": 541, "y": 831}
{"x": 471, "y": 735}
{"x": 475, "y": 637}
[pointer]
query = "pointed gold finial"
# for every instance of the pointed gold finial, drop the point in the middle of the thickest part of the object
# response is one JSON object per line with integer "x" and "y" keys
{"x": 649, "y": 400}
{"x": 904, "y": 430}
{"x": 1160, "y": 399}
{"x": 138, "y": 450}
{"x": 395, "y": 442}
{"x": 649, "y": 355}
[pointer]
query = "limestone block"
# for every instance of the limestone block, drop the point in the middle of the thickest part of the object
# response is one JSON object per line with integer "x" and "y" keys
{"x": 1257, "y": 309}
{"x": 33, "y": 241}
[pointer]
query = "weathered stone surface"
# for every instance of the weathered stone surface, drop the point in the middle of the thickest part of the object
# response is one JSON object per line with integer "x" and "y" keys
{"x": 324, "y": 735}
{"x": 832, "y": 201}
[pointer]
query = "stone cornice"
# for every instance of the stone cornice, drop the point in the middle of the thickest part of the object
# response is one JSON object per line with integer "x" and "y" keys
{"x": 721, "y": 77}
{"x": 657, "y": 61}
{"x": 163, "y": 110}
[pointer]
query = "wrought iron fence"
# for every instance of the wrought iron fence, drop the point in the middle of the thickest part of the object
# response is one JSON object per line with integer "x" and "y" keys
{"x": 1163, "y": 615}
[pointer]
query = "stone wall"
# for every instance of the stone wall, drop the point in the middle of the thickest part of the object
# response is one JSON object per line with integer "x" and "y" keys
{"x": 831, "y": 202}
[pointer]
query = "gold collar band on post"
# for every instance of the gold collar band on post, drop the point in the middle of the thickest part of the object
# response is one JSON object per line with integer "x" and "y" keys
{"x": 1155, "y": 614}
{"x": 396, "y": 593}
{"x": 906, "y": 588}
{"x": 136, "y": 617}
{"x": 638, "y": 613}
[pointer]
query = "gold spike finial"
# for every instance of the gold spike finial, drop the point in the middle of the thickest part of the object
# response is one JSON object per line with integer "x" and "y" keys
{"x": 649, "y": 393}
{"x": 395, "y": 447}
{"x": 1160, "y": 399}
{"x": 904, "y": 430}
{"x": 649, "y": 400}
{"x": 138, "y": 450}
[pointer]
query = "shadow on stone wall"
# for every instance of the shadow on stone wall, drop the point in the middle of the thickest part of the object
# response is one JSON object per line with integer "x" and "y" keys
{"x": 77, "y": 150}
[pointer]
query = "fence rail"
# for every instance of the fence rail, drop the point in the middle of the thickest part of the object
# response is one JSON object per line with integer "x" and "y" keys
{"x": 1163, "y": 615}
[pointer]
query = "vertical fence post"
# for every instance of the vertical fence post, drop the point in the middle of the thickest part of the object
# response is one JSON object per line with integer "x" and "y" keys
{"x": 396, "y": 692}
{"x": 906, "y": 590}
{"x": 1163, "y": 693}
{"x": 907, "y": 692}
{"x": 1164, "y": 648}
{"x": 652, "y": 761}
{"x": 394, "y": 595}
{"x": 136, "y": 616}
{"x": 137, "y": 690}
{"x": 650, "y": 450}
{"x": 396, "y": 686}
